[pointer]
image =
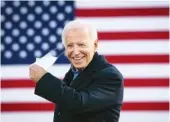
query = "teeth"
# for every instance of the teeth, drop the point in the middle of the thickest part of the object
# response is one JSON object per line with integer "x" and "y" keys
{"x": 76, "y": 58}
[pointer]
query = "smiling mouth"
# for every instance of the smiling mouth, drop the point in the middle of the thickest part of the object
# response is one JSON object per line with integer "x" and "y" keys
{"x": 77, "y": 59}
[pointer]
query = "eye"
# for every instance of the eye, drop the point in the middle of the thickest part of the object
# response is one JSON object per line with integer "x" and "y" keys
{"x": 69, "y": 45}
{"x": 81, "y": 45}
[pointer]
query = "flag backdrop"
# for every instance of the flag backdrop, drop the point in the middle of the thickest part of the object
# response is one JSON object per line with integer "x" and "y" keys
{"x": 132, "y": 35}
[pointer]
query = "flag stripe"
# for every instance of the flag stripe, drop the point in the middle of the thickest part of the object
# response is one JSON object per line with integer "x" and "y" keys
{"x": 142, "y": 106}
{"x": 164, "y": 82}
{"x": 17, "y": 83}
{"x": 118, "y": 4}
{"x": 26, "y": 83}
{"x": 152, "y": 35}
{"x": 59, "y": 70}
{"x": 131, "y": 94}
{"x": 146, "y": 106}
{"x": 27, "y": 116}
{"x": 137, "y": 58}
{"x": 134, "y": 24}
{"x": 101, "y": 12}
{"x": 144, "y": 116}
{"x": 133, "y": 47}
{"x": 47, "y": 116}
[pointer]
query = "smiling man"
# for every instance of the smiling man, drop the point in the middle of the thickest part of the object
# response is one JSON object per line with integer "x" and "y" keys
{"x": 92, "y": 90}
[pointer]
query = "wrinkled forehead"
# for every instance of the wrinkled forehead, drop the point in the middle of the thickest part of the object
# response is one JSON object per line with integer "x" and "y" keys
{"x": 78, "y": 30}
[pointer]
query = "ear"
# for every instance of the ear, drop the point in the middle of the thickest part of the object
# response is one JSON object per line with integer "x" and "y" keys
{"x": 65, "y": 52}
{"x": 96, "y": 44}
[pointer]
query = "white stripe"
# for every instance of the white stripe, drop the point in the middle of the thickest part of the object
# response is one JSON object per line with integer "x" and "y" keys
{"x": 128, "y": 71}
{"x": 117, "y": 47}
{"x": 27, "y": 117}
{"x": 135, "y": 116}
{"x": 144, "y": 70}
{"x": 144, "y": 116}
{"x": 128, "y": 23}
{"x": 20, "y": 95}
{"x": 119, "y": 4}
{"x": 146, "y": 94}
{"x": 130, "y": 95}
{"x": 13, "y": 71}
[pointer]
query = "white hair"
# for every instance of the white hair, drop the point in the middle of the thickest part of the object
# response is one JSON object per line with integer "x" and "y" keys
{"x": 78, "y": 23}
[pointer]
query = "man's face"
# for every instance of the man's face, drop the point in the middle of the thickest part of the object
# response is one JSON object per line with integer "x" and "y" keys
{"x": 80, "y": 48}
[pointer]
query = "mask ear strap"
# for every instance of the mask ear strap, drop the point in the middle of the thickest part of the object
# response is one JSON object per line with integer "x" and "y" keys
{"x": 53, "y": 52}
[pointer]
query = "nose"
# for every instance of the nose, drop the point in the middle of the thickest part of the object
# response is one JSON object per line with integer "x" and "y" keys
{"x": 76, "y": 50}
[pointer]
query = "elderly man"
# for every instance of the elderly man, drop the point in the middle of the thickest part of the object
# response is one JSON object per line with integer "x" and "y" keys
{"x": 92, "y": 90}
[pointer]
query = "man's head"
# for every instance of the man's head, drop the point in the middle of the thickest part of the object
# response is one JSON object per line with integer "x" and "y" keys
{"x": 80, "y": 42}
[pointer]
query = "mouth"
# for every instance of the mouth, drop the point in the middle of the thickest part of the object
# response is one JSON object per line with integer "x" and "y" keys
{"x": 78, "y": 60}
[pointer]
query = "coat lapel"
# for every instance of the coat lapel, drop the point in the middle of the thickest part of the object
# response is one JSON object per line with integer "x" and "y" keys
{"x": 82, "y": 80}
{"x": 68, "y": 77}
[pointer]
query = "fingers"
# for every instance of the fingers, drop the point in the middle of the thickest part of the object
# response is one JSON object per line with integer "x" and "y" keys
{"x": 32, "y": 71}
{"x": 36, "y": 72}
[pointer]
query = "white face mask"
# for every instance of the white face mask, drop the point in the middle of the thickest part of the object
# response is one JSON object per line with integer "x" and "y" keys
{"x": 47, "y": 60}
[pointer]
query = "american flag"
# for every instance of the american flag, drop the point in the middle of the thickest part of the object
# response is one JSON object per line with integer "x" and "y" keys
{"x": 132, "y": 35}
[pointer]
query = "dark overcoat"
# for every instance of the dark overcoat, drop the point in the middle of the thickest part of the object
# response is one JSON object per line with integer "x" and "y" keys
{"x": 95, "y": 95}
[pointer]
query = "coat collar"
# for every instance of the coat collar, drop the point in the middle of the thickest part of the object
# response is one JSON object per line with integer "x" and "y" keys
{"x": 98, "y": 62}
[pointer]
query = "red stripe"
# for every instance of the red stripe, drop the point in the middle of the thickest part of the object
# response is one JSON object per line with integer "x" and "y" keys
{"x": 146, "y": 82}
{"x": 146, "y": 106}
{"x": 17, "y": 83}
{"x": 133, "y": 35}
{"x": 6, "y": 107}
{"x": 99, "y": 12}
{"x": 138, "y": 58}
{"x": 27, "y": 107}
{"x": 25, "y": 83}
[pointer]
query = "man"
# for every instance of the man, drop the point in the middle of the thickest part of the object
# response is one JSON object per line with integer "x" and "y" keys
{"x": 92, "y": 90}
